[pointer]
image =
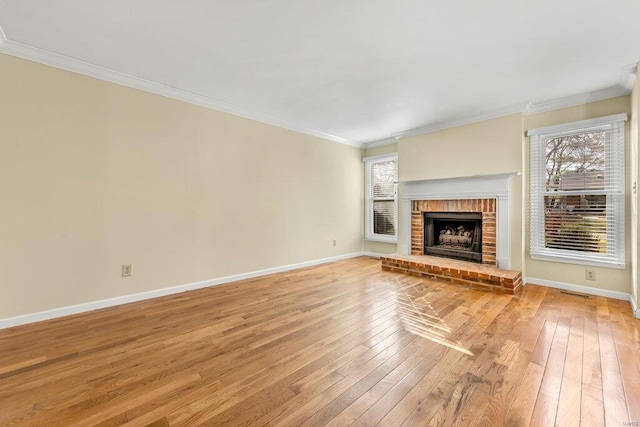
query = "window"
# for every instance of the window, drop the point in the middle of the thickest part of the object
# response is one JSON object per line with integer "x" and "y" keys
{"x": 381, "y": 176}
{"x": 577, "y": 192}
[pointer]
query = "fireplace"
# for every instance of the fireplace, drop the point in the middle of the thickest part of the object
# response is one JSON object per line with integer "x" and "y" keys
{"x": 476, "y": 217}
{"x": 485, "y": 194}
{"x": 453, "y": 235}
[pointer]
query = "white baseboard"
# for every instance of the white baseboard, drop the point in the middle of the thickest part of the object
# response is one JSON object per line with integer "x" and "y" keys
{"x": 582, "y": 289}
{"x": 372, "y": 254}
{"x": 634, "y": 307}
{"x": 96, "y": 305}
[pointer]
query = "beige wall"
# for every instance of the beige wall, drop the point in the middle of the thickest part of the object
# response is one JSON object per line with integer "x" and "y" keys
{"x": 606, "y": 278}
{"x": 634, "y": 136}
{"x": 378, "y": 151}
{"x": 370, "y": 245}
{"x": 484, "y": 148}
{"x": 94, "y": 175}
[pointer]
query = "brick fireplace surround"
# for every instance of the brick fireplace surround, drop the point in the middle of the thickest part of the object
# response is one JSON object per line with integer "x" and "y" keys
{"x": 487, "y": 207}
{"x": 488, "y": 195}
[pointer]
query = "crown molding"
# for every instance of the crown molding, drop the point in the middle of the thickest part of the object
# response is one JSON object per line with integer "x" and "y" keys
{"x": 628, "y": 77}
{"x": 572, "y": 101}
{"x": 379, "y": 143}
{"x": 92, "y": 70}
{"x": 502, "y": 112}
{"x": 581, "y": 124}
{"x": 627, "y": 80}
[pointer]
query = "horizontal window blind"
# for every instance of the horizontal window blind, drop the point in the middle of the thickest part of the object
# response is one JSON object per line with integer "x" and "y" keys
{"x": 577, "y": 193}
{"x": 382, "y": 205}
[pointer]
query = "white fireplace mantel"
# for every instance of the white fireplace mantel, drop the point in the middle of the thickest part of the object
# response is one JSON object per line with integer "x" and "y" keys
{"x": 472, "y": 187}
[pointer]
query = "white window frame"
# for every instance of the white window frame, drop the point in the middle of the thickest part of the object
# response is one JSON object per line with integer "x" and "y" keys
{"x": 614, "y": 191}
{"x": 368, "y": 189}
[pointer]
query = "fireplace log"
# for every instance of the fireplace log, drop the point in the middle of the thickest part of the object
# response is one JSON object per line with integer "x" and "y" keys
{"x": 452, "y": 235}
{"x": 454, "y": 239}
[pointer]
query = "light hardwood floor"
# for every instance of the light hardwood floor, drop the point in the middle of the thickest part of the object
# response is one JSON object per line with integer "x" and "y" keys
{"x": 336, "y": 344}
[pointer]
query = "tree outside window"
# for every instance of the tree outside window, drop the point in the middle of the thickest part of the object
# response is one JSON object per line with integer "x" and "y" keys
{"x": 575, "y": 217}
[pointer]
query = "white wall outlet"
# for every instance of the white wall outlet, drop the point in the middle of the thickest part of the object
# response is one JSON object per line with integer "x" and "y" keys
{"x": 335, "y": 242}
{"x": 126, "y": 270}
{"x": 590, "y": 275}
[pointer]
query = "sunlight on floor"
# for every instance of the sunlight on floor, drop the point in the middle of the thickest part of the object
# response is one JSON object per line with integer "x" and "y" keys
{"x": 420, "y": 318}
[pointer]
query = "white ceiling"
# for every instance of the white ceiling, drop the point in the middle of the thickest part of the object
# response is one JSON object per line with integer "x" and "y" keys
{"x": 354, "y": 71}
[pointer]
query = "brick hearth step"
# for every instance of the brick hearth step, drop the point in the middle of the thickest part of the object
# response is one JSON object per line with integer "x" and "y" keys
{"x": 476, "y": 276}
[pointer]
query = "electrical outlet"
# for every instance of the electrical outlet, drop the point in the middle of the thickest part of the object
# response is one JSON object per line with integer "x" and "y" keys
{"x": 335, "y": 242}
{"x": 590, "y": 275}
{"x": 126, "y": 270}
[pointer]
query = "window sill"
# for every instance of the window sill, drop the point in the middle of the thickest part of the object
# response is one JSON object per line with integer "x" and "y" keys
{"x": 577, "y": 260}
{"x": 382, "y": 239}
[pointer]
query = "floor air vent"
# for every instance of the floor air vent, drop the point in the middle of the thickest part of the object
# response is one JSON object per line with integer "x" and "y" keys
{"x": 576, "y": 295}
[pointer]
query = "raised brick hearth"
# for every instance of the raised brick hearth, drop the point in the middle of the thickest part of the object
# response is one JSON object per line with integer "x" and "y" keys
{"x": 476, "y": 276}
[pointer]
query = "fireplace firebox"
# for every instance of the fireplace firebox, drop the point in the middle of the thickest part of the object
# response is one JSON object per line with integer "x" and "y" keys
{"x": 453, "y": 235}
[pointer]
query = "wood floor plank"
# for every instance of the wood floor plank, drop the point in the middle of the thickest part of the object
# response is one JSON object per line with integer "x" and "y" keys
{"x": 591, "y": 406}
{"x": 630, "y": 376}
{"x": 554, "y": 366}
{"x": 524, "y": 401}
{"x": 543, "y": 344}
{"x": 338, "y": 344}
{"x": 570, "y": 390}
{"x": 544, "y": 411}
{"x": 615, "y": 403}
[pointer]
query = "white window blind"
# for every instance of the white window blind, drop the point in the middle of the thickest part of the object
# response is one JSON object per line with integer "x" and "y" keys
{"x": 381, "y": 175}
{"x": 577, "y": 192}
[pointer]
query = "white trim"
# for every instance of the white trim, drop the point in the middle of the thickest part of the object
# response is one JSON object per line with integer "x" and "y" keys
{"x": 527, "y": 109}
{"x": 42, "y": 56}
{"x": 379, "y": 143}
{"x": 380, "y": 157}
{"x": 580, "y": 259}
{"x": 573, "y": 100}
{"x": 472, "y": 187}
{"x": 579, "y": 125}
{"x": 96, "y": 305}
{"x": 578, "y": 288}
{"x": 92, "y": 70}
{"x": 476, "y": 187}
{"x": 382, "y": 238}
{"x": 627, "y": 80}
{"x": 634, "y": 307}
{"x": 514, "y": 109}
{"x": 32, "y": 53}
{"x": 373, "y": 254}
